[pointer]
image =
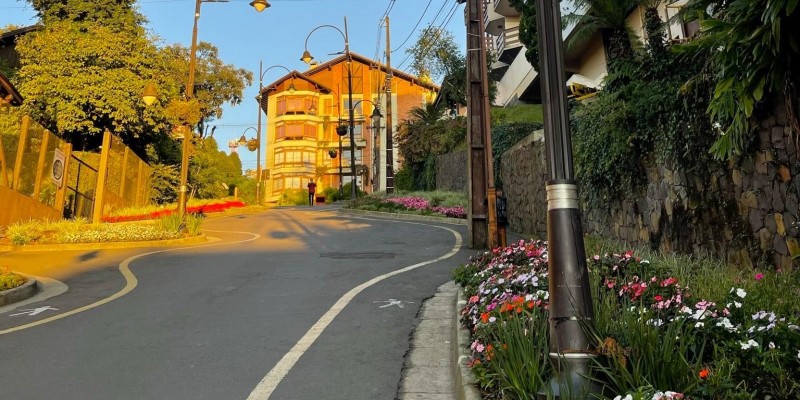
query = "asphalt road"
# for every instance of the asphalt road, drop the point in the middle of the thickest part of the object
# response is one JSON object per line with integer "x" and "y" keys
{"x": 292, "y": 303}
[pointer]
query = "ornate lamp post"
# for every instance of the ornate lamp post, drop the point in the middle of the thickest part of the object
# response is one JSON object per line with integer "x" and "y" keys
{"x": 341, "y": 131}
{"x": 306, "y": 58}
{"x": 376, "y": 126}
{"x": 261, "y": 73}
{"x": 571, "y": 309}
{"x": 149, "y": 96}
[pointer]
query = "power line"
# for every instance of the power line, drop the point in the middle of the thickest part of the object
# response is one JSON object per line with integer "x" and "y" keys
{"x": 438, "y": 34}
{"x": 414, "y": 29}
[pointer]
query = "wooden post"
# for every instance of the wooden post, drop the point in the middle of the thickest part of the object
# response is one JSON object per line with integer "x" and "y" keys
{"x": 61, "y": 193}
{"x": 481, "y": 214}
{"x": 140, "y": 183}
{"x": 23, "y": 137}
{"x": 102, "y": 172}
{"x": 124, "y": 173}
{"x": 3, "y": 164}
{"x": 389, "y": 139}
{"x": 37, "y": 187}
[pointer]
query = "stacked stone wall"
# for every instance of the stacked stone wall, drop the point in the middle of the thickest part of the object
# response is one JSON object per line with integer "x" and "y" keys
{"x": 451, "y": 172}
{"x": 745, "y": 211}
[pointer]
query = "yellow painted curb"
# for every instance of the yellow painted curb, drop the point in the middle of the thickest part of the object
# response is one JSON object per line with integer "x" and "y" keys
{"x": 106, "y": 245}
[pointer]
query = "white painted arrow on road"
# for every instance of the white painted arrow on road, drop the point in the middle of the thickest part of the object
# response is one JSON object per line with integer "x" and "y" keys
{"x": 34, "y": 311}
{"x": 393, "y": 302}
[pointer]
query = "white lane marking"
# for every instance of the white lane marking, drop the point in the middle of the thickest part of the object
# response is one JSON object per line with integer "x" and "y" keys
{"x": 393, "y": 302}
{"x": 270, "y": 382}
{"x": 33, "y": 311}
{"x": 130, "y": 281}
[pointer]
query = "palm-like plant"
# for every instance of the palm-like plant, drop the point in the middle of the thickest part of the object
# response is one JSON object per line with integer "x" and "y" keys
{"x": 753, "y": 54}
{"x": 591, "y": 16}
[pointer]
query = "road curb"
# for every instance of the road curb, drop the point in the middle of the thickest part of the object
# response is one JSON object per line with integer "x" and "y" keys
{"x": 105, "y": 245}
{"x": 410, "y": 217}
{"x": 466, "y": 385}
{"x": 26, "y": 291}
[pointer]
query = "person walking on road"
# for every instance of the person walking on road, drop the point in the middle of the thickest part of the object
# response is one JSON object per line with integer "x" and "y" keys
{"x": 312, "y": 188}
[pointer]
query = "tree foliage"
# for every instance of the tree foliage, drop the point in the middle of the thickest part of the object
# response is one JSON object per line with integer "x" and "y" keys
{"x": 83, "y": 72}
{"x": 753, "y": 53}
{"x": 436, "y": 56}
{"x": 527, "y": 29}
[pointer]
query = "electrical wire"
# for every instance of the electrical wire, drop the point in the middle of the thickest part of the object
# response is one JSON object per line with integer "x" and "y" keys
{"x": 433, "y": 41}
{"x": 414, "y": 29}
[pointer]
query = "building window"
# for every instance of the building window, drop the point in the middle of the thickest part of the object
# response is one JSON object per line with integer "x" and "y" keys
{"x": 357, "y": 112}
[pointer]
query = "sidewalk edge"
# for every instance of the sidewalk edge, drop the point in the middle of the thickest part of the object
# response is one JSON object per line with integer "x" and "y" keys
{"x": 466, "y": 385}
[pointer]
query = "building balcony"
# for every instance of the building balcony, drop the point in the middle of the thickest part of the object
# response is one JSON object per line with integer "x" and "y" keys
{"x": 507, "y": 45}
{"x": 493, "y": 22}
{"x": 503, "y": 7}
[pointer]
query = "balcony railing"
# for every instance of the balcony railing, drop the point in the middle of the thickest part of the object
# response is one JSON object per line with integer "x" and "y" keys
{"x": 509, "y": 39}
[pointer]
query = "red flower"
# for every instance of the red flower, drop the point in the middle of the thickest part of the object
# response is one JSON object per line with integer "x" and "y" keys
{"x": 658, "y": 297}
{"x": 703, "y": 374}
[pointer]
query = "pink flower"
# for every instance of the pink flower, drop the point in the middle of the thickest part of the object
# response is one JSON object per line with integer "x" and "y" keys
{"x": 759, "y": 276}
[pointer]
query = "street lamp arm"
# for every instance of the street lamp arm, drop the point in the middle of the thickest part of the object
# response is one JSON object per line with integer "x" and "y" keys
{"x": 305, "y": 46}
{"x": 261, "y": 78}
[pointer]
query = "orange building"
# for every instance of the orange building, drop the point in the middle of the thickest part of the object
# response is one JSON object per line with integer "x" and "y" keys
{"x": 304, "y": 109}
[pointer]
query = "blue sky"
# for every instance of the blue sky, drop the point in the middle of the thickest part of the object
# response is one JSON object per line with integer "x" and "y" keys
{"x": 276, "y": 36}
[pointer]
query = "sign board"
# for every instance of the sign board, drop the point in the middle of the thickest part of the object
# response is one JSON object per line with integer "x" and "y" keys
{"x": 57, "y": 169}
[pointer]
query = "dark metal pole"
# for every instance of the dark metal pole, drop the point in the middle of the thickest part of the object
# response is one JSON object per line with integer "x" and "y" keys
{"x": 571, "y": 313}
{"x": 354, "y": 178}
{"x": 341, "y": 189}
{"x": 389, "y": 139}
{"x": 187, "y": 134}
{"x": 258, "y": 136}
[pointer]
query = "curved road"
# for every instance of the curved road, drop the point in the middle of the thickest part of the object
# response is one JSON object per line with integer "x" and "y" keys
{"x": 293, "y": 303}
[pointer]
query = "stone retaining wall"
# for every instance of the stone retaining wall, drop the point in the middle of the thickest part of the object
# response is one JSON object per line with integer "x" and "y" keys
{"x": 745, "y": 212}
{"x": 451, "y": 172}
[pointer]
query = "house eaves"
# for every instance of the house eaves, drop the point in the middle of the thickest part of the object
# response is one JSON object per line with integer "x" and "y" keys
{"x": 372, "y": 63}
{"x": 8, "y": 94}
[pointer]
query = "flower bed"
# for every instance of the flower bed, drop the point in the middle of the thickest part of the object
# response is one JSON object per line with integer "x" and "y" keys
{"x": 653, "y": 337}
{"x": 163, "y": 212}
{"x": 420, "y": 204}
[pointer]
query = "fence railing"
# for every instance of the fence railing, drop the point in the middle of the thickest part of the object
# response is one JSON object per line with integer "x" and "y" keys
{"x": 41, "y": 178}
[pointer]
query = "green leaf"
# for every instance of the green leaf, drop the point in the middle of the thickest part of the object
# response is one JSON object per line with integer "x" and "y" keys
{"x": 758, "y": 93}
{"x": 723, "y": 87}
{"x": 790, "y": 6}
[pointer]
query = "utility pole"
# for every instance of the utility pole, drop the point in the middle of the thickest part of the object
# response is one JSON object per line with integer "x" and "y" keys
{"x": 482, "y": 218}
{"x": 571, "y": 312}
{"x": 389, "y": 140}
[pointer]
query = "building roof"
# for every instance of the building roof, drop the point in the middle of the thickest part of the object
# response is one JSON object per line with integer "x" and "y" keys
{"x": 291, "y": 75}
{"x": 7, "y": 38}
{"x": 8, "y": 94}
{"x": 370, "y": 62}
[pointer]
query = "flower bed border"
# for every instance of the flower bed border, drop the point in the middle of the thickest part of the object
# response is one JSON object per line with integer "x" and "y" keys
{"x": 19, "y": 293}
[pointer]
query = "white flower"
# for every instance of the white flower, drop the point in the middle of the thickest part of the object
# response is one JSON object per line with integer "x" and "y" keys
{"x": 771, "y": 346}
{"x": 741, "y": 293}
{"x": 699, "y": 325}
{"x": 737, "y": 304}
{"x": 798, "y": 354}
{"x": 748, "y": 344}
{"x": 627, "y": 397}
{"x": 725, "y": 323}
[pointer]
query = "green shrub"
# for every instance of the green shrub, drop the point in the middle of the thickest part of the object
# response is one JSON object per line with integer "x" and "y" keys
{"x": 193, "y": 223}
{"x": 294, "y": 197}
{"x": 10, "y": 280}
{"x": 171, "y": 223}
{"x": 404, "y": 179}
{"x": 331, "y": 195}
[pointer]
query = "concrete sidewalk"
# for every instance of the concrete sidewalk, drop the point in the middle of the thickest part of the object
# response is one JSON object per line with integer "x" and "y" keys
{"x": 435, "y": 366}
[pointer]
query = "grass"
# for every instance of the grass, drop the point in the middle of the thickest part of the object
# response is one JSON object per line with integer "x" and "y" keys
{"x": 518, "y": 113}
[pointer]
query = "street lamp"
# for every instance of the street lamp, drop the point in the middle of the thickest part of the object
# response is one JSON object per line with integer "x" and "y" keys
{"x": 259, "y": 5}
{"x": 571, "y": 312}
{"x": 376, "y": 126}
{"x": 307, "y": 58}
{"x": 341, "y": 131}
{"x": 261, "y": 73}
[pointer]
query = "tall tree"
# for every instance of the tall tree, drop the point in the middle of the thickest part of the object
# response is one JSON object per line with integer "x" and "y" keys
{"x": 216, "y": 83}
{"x": 84, "y": 71}
{"x": 435, "y": 54}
